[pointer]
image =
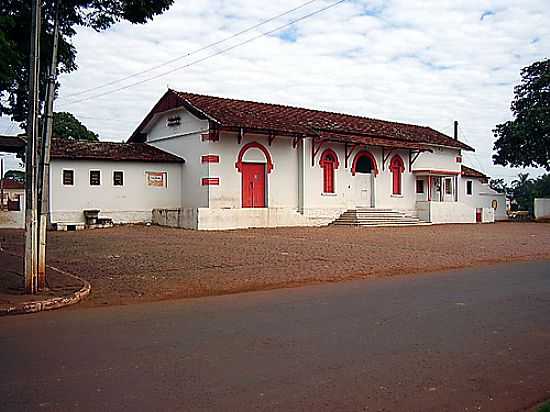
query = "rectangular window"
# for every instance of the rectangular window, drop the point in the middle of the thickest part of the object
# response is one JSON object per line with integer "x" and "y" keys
{"x": 118, "y": 178}
{"x": 448, "y": 186}
{"x": 68, "y": 177}
{"x": 156, "y": 179}
{"x": 469, "y": 187}
{"x": 95, "y": 178}
{"x": 420, "y": 186}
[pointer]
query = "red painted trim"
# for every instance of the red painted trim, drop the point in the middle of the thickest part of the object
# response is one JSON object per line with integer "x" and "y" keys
{"x": 359, "y": 155}
{"x": 329, "y": 166}
{"x": 323, "y": 160}
{"x": 315, "y": 150}
{"x": 210, "y": 181}
{"x": 210, "y": 159}
{"x": 239, "y": 164}
{"x": 437, "y": 172}
{"x": 397, "y": 167}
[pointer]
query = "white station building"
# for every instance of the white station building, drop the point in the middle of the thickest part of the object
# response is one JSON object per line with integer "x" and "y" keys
{"x": 212, "y": 163}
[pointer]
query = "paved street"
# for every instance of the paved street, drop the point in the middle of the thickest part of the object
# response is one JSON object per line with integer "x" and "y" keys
{"x": 463, "y": 340}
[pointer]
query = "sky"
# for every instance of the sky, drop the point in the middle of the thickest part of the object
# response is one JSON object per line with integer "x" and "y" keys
{"x": 426, "y": 62}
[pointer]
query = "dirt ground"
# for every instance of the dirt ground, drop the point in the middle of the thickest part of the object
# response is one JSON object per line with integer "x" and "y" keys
{"x": 12, "y": 285}
{"x": 137, "y": 263}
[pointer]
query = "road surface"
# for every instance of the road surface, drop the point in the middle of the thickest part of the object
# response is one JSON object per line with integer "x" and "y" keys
{"x": 458, "y": 341}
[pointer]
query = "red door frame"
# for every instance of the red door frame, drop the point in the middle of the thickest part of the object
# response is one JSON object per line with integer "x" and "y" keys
{"x": 253, "y": 185}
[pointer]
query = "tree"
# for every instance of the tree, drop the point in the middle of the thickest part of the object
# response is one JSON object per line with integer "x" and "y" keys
{"x": 18, "y": 175}
{"x": 15, "y": 23}
{"x": 525, "y": 141}
{"x": 499, "y": 185}
{"x": 66, "y": 126}
{"x": 524, "y": 190}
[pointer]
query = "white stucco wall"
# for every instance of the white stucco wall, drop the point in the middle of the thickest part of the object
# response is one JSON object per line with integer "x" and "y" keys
{"x": 482, "y": 197}
{"x": 132, "y": 202}
{"x": 184, "y": 141}
{"x": 542, "y": 208}
{"x": 446, "y": 212}
{"x": 281, "y": 182}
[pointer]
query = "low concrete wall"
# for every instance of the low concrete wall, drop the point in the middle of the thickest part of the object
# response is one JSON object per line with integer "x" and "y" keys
{"x": 542, "y": 208}
{"x": 186, "y": 218}
{"x": 226, "y": 219}
{"x": 221, "y": 219}
{"x": 12, "y": 219}
{"x": 445, "y": 212}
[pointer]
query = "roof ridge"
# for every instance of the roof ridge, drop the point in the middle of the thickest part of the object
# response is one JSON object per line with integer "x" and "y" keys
{"x": 307, "y": 109}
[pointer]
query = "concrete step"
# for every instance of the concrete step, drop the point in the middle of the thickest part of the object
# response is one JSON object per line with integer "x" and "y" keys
{"x": 377, "y": 217}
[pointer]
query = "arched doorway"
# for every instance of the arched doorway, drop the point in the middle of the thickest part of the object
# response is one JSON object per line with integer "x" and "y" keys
{"x": 254, "y": 163}
{"x": 364, "y": 169}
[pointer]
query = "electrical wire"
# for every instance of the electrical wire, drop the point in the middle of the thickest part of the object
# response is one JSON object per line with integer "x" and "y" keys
{"x": 191, "y": 53}
{"x": 227, "y": 49}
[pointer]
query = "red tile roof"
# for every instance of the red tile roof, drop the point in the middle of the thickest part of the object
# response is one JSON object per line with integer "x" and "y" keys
{"x": 469, "y": 172}
{"x": 11, "y": 144}
{"x": 232, "y": 113}
{"x": 13, "y": 184}
{"x": 84, "y": 150}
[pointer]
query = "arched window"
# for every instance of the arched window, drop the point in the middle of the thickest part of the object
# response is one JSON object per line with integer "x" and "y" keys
{"x": 364, "y": 162}
{"x": 397, "y": 167}
{"x": 329, "y": 163}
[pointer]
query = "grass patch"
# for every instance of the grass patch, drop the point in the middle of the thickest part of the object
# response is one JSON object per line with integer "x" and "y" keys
{"x": 545, "y": 407}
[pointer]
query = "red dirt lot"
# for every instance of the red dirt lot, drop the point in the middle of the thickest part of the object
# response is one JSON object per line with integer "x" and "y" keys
{"x": 129, "y": 264}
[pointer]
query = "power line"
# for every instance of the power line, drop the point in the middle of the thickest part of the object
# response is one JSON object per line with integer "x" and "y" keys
{"x": 474, "y": 156}
{"x": 267, "y": 33}
{"x": 209, "y": 46}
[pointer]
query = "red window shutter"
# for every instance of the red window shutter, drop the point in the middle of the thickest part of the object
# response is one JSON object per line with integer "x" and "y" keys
{"x": 328, "y": 178}
{"x": 396, "y": 181}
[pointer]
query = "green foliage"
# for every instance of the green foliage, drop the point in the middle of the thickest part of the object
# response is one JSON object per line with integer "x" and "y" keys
{"x": 66, "y": 126}
{"x": 545, "y": 407}
{"x": 15, "y": 24}
{"x": 524, "y": 190}
{"x": 18, "y": 175}
{"x": 525, "y": 141}
{"x": 498, "y": 185}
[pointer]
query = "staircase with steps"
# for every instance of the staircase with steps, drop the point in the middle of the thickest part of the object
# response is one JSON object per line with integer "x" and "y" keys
{"x": 377, "y": 217}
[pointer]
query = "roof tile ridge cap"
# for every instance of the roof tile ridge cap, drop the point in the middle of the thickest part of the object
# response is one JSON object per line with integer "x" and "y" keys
{"x": 181, "y": 95}
{"x": 286, "y": 106}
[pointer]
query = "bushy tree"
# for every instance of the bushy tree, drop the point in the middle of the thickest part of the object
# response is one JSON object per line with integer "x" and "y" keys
{"x": 499, "y": 185}
{"x": 66, "y": 126}
{"x": 15, "y": 25}
{"x": 525, "y": 141}
{"x": 524, "y": 190}
{"x": 17, "y": 175}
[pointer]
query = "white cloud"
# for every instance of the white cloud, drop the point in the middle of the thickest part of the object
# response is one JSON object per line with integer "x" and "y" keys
{"x": 425, "y": 62}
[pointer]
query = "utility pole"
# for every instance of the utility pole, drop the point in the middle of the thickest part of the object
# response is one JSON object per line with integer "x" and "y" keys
{"x": 44, "y": 170}
{"x": 2, "y": 183}
{"x": 30, "y": 155}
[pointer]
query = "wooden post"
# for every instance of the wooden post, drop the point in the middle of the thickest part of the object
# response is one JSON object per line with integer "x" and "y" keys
{"x": 44, "y": 170}
{"x": 30, "y": 156}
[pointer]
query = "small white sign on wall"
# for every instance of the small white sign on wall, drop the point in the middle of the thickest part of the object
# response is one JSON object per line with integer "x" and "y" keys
{"x": 156, "y": 179}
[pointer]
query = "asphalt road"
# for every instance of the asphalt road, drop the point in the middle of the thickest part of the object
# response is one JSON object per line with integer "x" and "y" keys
{"x": 458, "y": 341}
